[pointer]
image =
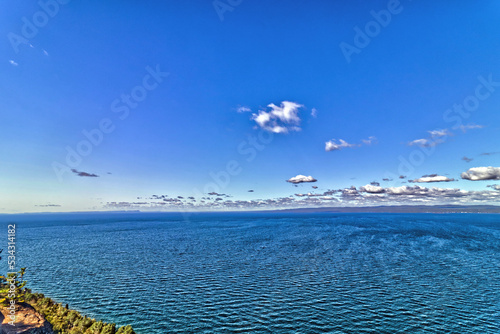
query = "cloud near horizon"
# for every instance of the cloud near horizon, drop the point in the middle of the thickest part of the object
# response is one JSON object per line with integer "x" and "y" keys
{"x": 372, "y": 189}
{"x": 431, "y": 178}
{"x": 84, "y": 174}
{"x": 482, "y": 173}
{"x": 301, "y": 179}
{"x": 363, "y": 196}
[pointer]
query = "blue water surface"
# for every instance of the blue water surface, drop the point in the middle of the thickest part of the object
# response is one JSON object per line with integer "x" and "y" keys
{"x": 268, "y": 273}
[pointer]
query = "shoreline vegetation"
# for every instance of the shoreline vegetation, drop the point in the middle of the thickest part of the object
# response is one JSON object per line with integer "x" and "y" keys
{"x": 23, "y": 311}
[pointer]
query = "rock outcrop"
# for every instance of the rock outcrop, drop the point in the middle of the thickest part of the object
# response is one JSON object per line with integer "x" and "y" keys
{"x": 28, "y": 321}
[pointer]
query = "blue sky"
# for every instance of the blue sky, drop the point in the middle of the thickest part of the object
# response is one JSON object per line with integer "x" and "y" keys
{"x": 198, "y": 74}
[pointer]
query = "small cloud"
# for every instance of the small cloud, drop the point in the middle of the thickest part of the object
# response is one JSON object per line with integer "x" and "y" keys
{"x": 402, "y": 176}
{"x": 314, "y": 112}
{"x": 386, "y": 180}
{"x": 315, "y": 187}
{"x": 45, "y": 53}
{"x": 280, "y": 119}
{"x": 332, "y": 145}
{"x": 464, "y": 128}
{"x": 350, "y": 192}
{"x": 250, "y": 191}
{"x": 495, "y": 186}
{"x": 482, "y": 173}
{"x": 375, "y": 183}
{"x": 436, "y": 137}
{"x": 467, "y": 159}
{"x": 372, "y": 189}
{"x": 432, "y": 178}
{"x": 84, "y": 174}
{"x": 301, "y": 179}
{"x": 370, "y": 140}
{"x": 439, "y": 133}
{"x": 243, "y": 109}
{"x": 13, "y": 63}
{"x": 489, "y": 153}
{"x": 213, "y": 193}
{"x": 422, "y": 143}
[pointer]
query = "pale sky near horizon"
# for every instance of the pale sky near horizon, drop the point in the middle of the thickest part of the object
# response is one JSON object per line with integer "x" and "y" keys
{"x": 131, "y": 105}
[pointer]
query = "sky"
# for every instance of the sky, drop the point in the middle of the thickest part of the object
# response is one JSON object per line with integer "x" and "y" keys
{"x": 247, "y": 105}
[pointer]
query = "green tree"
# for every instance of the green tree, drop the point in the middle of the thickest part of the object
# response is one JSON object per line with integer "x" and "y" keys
{"x": 109, "y": 329}
{"x": 12, "y": 287}
{"x": 95, "y": 328}
{"x": 125, "y": 330}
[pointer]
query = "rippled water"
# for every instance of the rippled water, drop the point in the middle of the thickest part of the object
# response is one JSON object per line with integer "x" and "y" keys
{"x": 269, "y": 273}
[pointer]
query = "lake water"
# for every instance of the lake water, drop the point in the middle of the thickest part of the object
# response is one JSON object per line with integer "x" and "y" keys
{"x": 268, "y": 273}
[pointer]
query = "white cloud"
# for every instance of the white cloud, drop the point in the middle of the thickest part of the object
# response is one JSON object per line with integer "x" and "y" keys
{"x": 370, "y": 140}
{"x": 423, "y": 192}
{"x": 464, "y": 128}
{"x": 482, "y": 173}
{"x": 432, "y": 178}
{"x": 349, "y": 192}
{"x": 422, "y": 143}
{"x": 439, "y": 133}
{"x": 403, "y": 190}
{"x": 243, "y": 109}
{"x": 372, "y": 189}
{"x": 333, "y": 146}
{"x": 495, "y": 186}
{"x": 301, "y": 179}
{"x": 436, "y": 137}
{"x": 13, "y": 63}
{"x": 314, "y": 112}
{"x": 281, "y": 119}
